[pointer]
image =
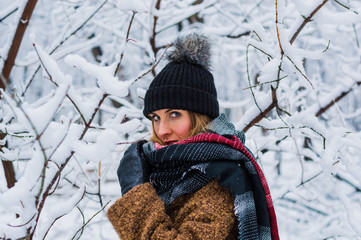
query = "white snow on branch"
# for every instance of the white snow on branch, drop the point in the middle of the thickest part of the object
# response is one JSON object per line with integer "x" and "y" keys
{"x": 136, "y": 6}
{"x": 104, "y": 75}
{"x": 101, "y": 149}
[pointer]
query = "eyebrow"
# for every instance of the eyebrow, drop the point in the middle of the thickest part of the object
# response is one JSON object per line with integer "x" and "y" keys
{"x": 166, "y": 111}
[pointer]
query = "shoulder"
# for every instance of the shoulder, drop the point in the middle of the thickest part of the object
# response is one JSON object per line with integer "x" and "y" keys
{"x": 135, "y": 148}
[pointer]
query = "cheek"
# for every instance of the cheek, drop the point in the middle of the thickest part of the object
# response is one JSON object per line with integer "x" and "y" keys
{"x": 184, "y": 129}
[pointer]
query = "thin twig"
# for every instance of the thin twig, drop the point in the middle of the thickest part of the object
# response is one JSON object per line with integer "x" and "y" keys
{"x": 154, "y": 32}
{"x": 99, "y": 192}
{"x": 261, "y": 84}
{"x": 247, "y": 33}
{"x": 278, "y": 34}
{"x": 52, "y": 80}
{"x": 63, "y": 41}
{"x": 126, "y": 42}
{"x": 259, "y": 117}
{"x": 57, "y": 183}
{"x": 62, "y": 166}
{"x": 305, "y": 206}
{"x": 37, "y": 138}
{"x": 275, "y": 102}
{"x": 262, "y": 51}
{"x": 21, "y": 225}
{"x": 344, "y": 6}
{"x": 356, "y": 35}
{"x": 82, "y": 196}
{"x": 357, "y": 188}
{"x": 46, "y": 193}
{"x": 87, "y": 124}
{"x": 90, "y": 220}
{"x": 249, "y": 80}
{"x": 9, "y": 14}
{"x": 7, "y": 69}
{"x": 153, "y": 66}
{"x": 259, "y": 38}
{"x": 83, "y": 217}
{"x": 299, "y": 157}
{"x": 264, "y": 113}
{"x": 335, "y": 100}
{"x": 306, "y": 20}
{"x": 61, "y": 141}
{"x": 328, "y": 45}
{"x": 299, "y": 70}
{"x": 310, "y": 179}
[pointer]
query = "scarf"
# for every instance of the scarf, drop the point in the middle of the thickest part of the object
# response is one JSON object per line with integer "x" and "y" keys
{"x": 190, "y": 164}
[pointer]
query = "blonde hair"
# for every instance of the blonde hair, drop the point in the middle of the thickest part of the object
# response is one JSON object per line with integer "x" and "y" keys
{"x": 199, "y": 123}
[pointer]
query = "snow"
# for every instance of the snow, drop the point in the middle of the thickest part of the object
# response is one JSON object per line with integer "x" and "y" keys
{"x": 306, "y": 7}
{"x": 269, "y": 71}
{"x": 141, "y": 92}
{"x": 252, "y": 112}
{"x": 136, "y": 6}
{"x": 67, "y": 133}
{"x": 63, "y": 209}
{"x": 40, "y": 117}
{"x": 104, "y": 75}
{"x": 105, "y": 144}
{"x": 329, "y": 17}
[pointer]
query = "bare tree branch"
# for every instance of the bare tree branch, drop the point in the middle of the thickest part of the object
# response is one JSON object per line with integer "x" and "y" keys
{"x": 278, "y": 33}
{"x": 264, "y": 113}
{"x": 334, "y": 101}
{"x": 154, "y": 33}
{"x": 15, "y": 45}
{"x": 6, "y": 71}
{"x": 9, "y": 14}
{"x": 61, "y": 168}
{"x": 82, "y": 228}
{"x": 274, "y": 102}
{"x": 63, "y": 41}
{"x": 52, "y": 80}
{"x": 239, "y": 35}
{"x": 126, "y": 42}
{"x": 306, "y": 20}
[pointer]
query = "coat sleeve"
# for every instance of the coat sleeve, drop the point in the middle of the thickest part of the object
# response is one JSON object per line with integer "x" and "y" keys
{"x": 140, "y": 214}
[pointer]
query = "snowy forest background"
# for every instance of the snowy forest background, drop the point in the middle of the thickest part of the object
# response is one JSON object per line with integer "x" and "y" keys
{"x": 288, "y": 73}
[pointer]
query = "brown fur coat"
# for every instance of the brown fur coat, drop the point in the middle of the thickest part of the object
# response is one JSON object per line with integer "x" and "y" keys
{"x": 205, "y": 214}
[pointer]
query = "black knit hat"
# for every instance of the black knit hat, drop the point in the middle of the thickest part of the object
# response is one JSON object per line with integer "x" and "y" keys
{"x": 185, "y": 82}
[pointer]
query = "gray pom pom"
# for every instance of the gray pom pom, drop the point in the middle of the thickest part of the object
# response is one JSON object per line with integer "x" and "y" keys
{"x": 193, "y": 48}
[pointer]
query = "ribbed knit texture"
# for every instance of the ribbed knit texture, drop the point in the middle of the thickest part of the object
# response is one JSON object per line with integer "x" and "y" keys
{"x": 182, "y": 85}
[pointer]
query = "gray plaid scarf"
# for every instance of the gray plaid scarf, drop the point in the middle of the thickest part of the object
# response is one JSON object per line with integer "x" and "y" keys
{"x": 189, "y": 165}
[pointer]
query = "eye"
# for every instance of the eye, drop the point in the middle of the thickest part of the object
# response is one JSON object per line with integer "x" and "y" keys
{"x": 154, "y": 117}
{"x": 175, "y": 114}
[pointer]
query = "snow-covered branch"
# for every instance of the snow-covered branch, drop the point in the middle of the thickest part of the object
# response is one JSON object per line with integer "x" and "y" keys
{"x": 287, "y": 73}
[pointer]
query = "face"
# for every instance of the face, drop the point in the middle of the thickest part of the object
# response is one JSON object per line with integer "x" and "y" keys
{"x": 171, "y": 125}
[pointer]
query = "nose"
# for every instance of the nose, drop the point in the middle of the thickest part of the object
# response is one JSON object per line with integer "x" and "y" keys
{"x": 164, "y": 130}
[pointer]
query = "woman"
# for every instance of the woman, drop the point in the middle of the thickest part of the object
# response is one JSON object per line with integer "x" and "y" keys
{"x": 194, "y": 179}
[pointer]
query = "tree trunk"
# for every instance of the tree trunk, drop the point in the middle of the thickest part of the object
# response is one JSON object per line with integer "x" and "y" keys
{"x": 6, "y": 71}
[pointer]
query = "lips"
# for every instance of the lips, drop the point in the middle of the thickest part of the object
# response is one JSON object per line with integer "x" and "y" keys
{"x": 170, "y": 142}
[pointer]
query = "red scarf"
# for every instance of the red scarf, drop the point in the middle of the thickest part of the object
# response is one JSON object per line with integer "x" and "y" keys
{"x": 235, "y": 143}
